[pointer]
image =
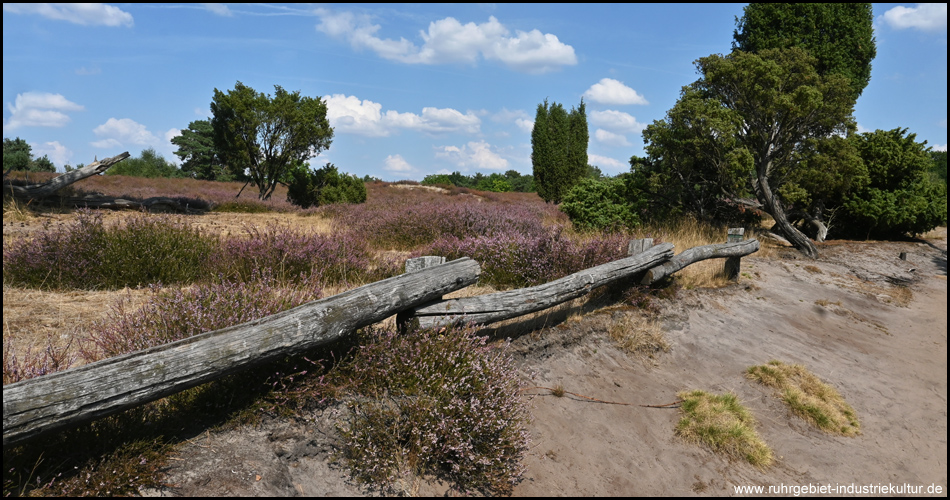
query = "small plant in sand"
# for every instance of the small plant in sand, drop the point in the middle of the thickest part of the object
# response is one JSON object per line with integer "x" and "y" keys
{"x": 724, "y": 425}
{"x": 808, "y": 397}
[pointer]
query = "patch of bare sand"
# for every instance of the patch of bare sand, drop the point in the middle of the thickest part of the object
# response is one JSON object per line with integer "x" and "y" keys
{"x": 888, "y": 361}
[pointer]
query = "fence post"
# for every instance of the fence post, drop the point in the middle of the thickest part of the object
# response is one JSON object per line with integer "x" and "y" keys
{"x": 404, "y": 318}
{"x": 639, "y": 246}
{"x": 732, "y": 265}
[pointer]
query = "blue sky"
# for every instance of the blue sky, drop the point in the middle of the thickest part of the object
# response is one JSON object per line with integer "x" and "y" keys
{"x": 411, "y": 90}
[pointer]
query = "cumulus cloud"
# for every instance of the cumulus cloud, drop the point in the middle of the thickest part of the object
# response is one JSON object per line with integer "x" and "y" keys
{"x": 940, "y": 147}
{"x": 613, "y": 92}
{"x": 526, "y": 126}
{"x": 219, "y": 9}
{"x": 86, "y": 14}
{"x": 39, "y": 109}
{"x": 606, "y": 162}
{"x": 447, "y": 41}
{"x": 924, "y": 17}
{"x": 116, "y": 133}
{"x": 396, "y": 164}
{"x": 365, "y": 117}
{"x": 610, "y": 138}
{"x": 474, "y": 154}
{"x": 56, "y": 152}
{"x": 616, "y": 121}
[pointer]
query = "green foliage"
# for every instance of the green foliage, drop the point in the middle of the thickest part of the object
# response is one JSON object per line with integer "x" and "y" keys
{"x": 901, "y": 197}
{"x": 18, "y": 156}
{"x": 267, "y": 135}
{"x": 510, "y": 181}
{"x": 149, "y": 164}
{"x": 598, "y": 204}
{"x": 839, "y": 35}
{"x": 197, "y": 153}
{"x": 940, "y": 164}
{"x": 558, "y": 149}
{"x": 695, "y": 163}
{"x": 494, "y": 182}
{"x": 436, "y": 179}
{"x": 308, "y": 188}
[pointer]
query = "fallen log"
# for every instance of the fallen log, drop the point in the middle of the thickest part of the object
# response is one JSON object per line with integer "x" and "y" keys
{"x": 44, "y": 404}
{"x": 494, "y": 307}
{"x": 48, "y": 188}
{"x": 696, "y": 254}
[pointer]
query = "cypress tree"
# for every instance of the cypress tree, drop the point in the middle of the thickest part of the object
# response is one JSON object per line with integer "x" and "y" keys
{"x": 540, "y": 152}
{"x": 558, "y": 149}
{"x": 578, "y": 147}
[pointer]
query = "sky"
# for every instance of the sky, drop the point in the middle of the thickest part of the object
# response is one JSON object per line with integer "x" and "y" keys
{"x": 411, "y": 90}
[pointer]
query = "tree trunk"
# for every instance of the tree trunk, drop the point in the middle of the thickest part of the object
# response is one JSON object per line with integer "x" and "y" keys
{"x": 696, "y": 254}
{"x": 39, "y": 191}
{"x": 774, "y": 206}
{"x": 43, "y": 404}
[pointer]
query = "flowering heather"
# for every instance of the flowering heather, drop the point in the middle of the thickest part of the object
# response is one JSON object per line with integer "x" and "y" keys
{"x": 87, "y": 255}
{"x": 178, "y": 314}
{"x": 32, "y": 363}
{"x": 289, "y": 255}
{"x": 443, "y": 403}
{"x": 515, "y": 259}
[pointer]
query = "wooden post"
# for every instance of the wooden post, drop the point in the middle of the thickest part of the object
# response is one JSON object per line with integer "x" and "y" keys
{"x": 639, "y": 246}
{"x": 732, "y": 264}
{"x": 403, "y": 318}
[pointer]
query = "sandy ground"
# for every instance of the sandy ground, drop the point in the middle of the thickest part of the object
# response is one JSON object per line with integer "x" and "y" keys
{"x": 884, "y": 349}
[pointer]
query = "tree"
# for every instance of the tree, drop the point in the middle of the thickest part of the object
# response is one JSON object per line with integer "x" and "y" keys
{"x": 839, "y": 35}
{"x": 558, "y": 149}
{"x": 308, "y": 188}
{"x": 267, "y": 135}
{"x": 197, "y": 153}
{"x": 940, "y": 164}
{"x": 600, "y": 203}
{"x": 781, "y": 102}
{"x": 901, "y": 197}
{"x": 18, "y": 155}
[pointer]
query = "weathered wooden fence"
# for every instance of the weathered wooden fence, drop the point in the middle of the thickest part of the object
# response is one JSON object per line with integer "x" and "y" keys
{"x": 45, "y": 404}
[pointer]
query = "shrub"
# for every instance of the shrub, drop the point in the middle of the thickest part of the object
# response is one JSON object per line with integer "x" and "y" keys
{"x": 178, "y": 314}
{"x": 87, "y": 255}
{"x": 323, "y": 186}
{"x": 149, "y": 164}
{"x": 902, "y": 197}
{"x": 443, "y": 403}
{"x": 599, "y": 204}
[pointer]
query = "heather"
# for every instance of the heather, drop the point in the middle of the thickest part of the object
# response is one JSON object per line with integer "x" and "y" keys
{"x": 88, "y": 255}
{"x": 442, "y": 403}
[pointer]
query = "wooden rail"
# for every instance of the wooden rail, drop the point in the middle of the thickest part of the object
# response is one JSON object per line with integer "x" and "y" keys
{"x": 40, "y": 405}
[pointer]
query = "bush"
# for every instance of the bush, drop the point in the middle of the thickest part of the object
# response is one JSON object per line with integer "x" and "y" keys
{"x": 902, "y": 197}
{"x": 324, "y": 186}
{"x": 87, "y": 255}
{"x": 598, "y": 204}
{"x": 443, "y": 403}
{"x": 150, "y": 164}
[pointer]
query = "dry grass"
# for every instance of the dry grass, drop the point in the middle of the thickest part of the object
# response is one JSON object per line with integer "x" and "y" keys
{"x": 689, "y": 233}
{"x": 639, "y": 335}
{"x": 808, "y": 397}
{"x": 724, "y": 425}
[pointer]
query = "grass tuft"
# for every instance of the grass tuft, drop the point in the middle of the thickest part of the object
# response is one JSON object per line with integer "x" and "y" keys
{"x": 724, "y": 425}
{"x": 808, "y": 397}
{"x": 638, "y": 335}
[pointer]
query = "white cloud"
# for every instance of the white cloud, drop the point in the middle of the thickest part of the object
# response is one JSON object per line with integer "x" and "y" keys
{"x": 204, "y": 113}
{"x": 219, "y": 9}
{"x": 610, "y": 138}
{"x": 861, "y": 129}
{"x": 474, "y": 154}
{"x": 526, "y": 126}
{"x": 939, "y": 147}
{"x": 616, "y": 121}
{"x": 350, "y": 114}
{"x": 84, "y": 71}
{"x": 86, "y": 14}
{"x": 605, "y": 163}
{"x": 39, "y": 109}
{"x": 448, "y": 41}
{"x": 116, "y": 133}
{"x": 56, "y": 152}
{"x": 925, "y": 17}
{"x": 395, "y": 163}
{"x": 610, "y": 91}
{"x": 172, "y": 133}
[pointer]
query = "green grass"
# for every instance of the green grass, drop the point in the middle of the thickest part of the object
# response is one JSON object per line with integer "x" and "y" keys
{"x": 808, "y": 397}
{"x": 725, "y": 426}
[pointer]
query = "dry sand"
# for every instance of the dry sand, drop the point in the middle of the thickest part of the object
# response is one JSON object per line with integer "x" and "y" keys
{"x": 839, "y": 316}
